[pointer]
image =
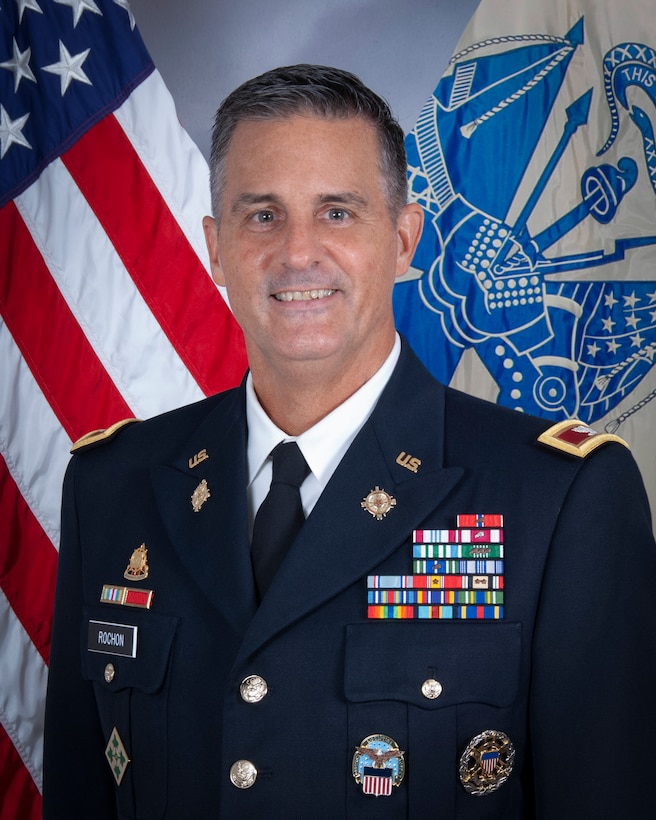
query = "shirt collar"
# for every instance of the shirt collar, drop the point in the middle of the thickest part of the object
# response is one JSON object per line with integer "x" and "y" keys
{"x": 324, "y": 444}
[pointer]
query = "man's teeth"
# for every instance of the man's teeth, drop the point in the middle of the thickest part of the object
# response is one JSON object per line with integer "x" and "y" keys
{"x": 303, "y": 295}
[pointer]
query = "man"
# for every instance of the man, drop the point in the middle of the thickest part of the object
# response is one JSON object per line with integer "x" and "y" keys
{"x": 499, "y": 668}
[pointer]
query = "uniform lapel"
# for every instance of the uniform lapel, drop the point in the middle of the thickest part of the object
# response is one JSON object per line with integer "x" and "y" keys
{"x": 212, "y": 542}
{"x": 341, "y": 542}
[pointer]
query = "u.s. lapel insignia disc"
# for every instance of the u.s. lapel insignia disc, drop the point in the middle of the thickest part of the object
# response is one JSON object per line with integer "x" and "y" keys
{"x": 378, "y": 503}
{"x": 487, "y": 762}
{"x": 378, "y": 765}
{"x": 116, "y": 756}
{"x": 137, "y": 569}
{"x": 200, "y": 495}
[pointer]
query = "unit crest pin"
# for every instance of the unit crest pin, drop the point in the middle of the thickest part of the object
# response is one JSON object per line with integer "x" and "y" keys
{"x": 378, "y": 503}
{"x": 200, "y": 495}
{"x": 137, "y": 569}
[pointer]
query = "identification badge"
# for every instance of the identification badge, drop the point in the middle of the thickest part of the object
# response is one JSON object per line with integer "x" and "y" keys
{"x": 378, "y": 764}
{"x": 113, "y": 639}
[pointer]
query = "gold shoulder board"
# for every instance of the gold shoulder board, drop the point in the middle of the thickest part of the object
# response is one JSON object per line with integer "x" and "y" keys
{"x": 96, "y": 437}
{"x": 576, "y": 437}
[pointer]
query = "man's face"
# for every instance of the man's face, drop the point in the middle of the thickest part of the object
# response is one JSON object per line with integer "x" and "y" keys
{"x": 306, "y": 245}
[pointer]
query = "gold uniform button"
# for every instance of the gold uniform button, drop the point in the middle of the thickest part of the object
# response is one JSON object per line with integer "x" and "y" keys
{"x": 109, "y": 673}
{"x": 243, "y": 774}
{"x": 253, "y": 689}
{"x": 431, "y": 689}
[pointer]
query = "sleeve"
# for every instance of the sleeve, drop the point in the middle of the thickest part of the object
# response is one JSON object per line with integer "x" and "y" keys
{"x": 77, "y": 780}
{"x": 591, "y": 708}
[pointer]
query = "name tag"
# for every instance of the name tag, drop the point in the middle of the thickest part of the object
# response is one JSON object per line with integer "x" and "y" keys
{"x": 113, "y": 639}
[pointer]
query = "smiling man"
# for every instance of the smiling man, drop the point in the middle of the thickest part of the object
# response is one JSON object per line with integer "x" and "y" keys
{"x": 344, "y": 590}
{"x": 309, "y": 246}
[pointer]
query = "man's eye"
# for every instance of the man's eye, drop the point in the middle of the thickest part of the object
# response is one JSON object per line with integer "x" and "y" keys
{"x": 337, "y": 214}
{"x": 263, "y": 217}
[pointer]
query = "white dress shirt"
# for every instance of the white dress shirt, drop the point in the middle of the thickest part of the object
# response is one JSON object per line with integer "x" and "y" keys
{"x": 323, "y": 445}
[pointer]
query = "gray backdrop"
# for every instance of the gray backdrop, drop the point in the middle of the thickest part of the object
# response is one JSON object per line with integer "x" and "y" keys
{"x": 205, "y": 48}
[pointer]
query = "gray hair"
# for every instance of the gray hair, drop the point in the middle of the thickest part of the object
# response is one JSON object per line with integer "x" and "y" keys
{"x": 319, "y": 91}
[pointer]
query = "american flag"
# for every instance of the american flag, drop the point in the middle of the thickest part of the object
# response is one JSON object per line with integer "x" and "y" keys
{"x": 489, "y": 761}
{"x": 107, "y": 308}
{"x": 377, "y": 782}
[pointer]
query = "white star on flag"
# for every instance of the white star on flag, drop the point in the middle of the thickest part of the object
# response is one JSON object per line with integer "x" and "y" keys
{"x": 79, "y": 7}
{"x": 20, "y": 65}
{"x": 69, "y": 67}
{"x": 11, "y": 131}
{"x": 32, "y": 5}
{"x": 125, "y": 5}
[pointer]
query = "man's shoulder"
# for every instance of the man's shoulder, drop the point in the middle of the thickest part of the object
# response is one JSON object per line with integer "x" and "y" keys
{"x": 130, "y": 439}
{"x": 486, "y": 430}
{"x": 503, "y": 430}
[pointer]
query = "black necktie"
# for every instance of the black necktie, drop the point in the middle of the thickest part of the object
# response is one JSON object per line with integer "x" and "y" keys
{"x": 280, "y": 516}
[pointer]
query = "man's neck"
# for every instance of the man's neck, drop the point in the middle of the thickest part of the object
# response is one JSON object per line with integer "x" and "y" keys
{"x": 299, "y": 396}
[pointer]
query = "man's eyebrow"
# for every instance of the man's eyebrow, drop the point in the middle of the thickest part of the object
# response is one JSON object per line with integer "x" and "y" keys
{"x": 343, "y": 198}
{"x": 248, "y": 200}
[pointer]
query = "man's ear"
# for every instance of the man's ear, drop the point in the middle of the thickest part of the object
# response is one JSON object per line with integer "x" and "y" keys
{"x": 212, "y": 241}
{"x": 409, "y": 227}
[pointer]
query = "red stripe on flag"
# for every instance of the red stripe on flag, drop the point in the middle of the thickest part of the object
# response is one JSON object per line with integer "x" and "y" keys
{"x": 28, "y": 564}
{"x": 158, "y": 256}
{"x": 63, "y": 362}
{"x": 19, "y": 797}
{"x": 377, "y": 786}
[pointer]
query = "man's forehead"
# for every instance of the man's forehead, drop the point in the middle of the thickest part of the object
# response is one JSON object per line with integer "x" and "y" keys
{"x": 328, "y": 123}
{"x": 328, "y": 148}
{"x": 302, "y": 158}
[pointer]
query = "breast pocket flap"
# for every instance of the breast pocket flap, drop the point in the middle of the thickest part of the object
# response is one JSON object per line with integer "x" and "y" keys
{"x": 126, "y": 649}
{"x": 431, "y": 665}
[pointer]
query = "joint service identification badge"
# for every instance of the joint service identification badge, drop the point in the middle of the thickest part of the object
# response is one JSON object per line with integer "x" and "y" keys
{"x": 487, "y": 762}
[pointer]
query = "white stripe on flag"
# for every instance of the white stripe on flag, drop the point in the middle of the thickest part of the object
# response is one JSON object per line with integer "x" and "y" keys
{"x": 32, "y": 441}
{"x": 22, "y": 691}
{"x": 173, "y": 161}
{"x": 120, "y": 327}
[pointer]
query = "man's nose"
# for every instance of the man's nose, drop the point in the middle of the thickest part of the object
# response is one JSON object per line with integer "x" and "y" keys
{"x": 301, "y": 245}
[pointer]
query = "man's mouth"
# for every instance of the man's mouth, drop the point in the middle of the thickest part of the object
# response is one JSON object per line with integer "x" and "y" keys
{"x": 303, "y": 295}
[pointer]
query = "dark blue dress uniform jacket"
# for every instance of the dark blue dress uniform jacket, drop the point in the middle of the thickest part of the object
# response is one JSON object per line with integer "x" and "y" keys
{"x": 568, "y": 674}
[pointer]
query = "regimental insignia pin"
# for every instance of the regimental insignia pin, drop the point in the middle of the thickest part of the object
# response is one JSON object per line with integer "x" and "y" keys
{"x": 378, "y": 503}
{"x": 137, "y": 569}
{"x": 378, "y": 765}
{"x": 487, "y": 762}
{"x": 116, "y": 756}
{"x": 200, "y": 495}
